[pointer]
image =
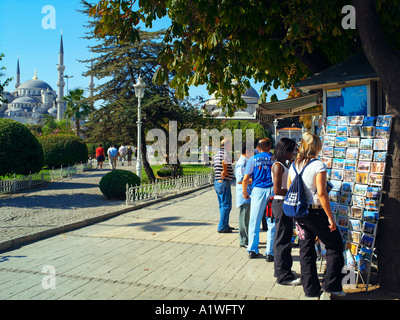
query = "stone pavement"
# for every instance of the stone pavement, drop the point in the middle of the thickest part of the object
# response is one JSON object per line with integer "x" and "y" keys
{"x": 166, "y": 251}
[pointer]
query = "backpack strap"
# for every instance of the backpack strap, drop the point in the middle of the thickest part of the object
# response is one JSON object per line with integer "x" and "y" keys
{"x": 301, "y": 172}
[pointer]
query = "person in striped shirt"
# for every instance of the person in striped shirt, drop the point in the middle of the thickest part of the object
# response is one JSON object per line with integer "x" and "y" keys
{"x": 222, "y": 163}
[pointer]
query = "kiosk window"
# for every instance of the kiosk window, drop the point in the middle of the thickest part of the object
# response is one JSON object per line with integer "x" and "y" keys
{"x": 347, "y": 101}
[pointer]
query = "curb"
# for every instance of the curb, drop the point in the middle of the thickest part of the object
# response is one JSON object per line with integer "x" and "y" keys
{"x": 17, "y": 242}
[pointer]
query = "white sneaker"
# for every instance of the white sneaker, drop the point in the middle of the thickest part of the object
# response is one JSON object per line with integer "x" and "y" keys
{"x": 294, "y": 282}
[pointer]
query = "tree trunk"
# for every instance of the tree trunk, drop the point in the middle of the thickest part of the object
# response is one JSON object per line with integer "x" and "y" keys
{"x": 146, "y": 165}
{"x": 386, "y": 62}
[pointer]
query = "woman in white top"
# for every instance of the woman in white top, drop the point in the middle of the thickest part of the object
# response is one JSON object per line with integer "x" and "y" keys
{"x": 284, "y": 152}
{"x": 318, "y": 223}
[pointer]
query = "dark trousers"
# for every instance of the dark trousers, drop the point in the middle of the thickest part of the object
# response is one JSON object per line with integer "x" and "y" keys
{"x": 316, "y": 225}
{"x": 282, "y": 248}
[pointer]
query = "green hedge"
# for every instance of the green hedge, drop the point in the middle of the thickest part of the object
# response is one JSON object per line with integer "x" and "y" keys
{"x": 63, "y": 149}
{"x": 20, "y": 151}
{"x": 113, "y": 184}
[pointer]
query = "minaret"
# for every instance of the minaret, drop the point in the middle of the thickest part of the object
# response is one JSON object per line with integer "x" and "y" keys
{"x": 91, "y": 82}
{"x": 60, "y": 82}
{"x": 18, "y": 76}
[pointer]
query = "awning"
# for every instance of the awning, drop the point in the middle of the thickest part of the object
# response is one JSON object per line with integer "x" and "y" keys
{"x": 291, "y": 107}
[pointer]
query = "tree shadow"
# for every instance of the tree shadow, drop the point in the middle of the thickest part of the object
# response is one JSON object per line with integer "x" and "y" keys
{"x": 8, "y": 258}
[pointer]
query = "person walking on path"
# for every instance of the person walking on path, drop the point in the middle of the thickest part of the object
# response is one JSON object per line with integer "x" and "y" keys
{"x": 129, "y": 152}
{"x": 260, "y": 167}
{"x": 242, "y": 203}
{"x": 284, "y": 152}
{"x": 112, "y": 156}
{"x": 318, "y": 223}
{"x": 223, "y": 176}
{"x": 100, "y": 156}
{"x": 122, "y": 154}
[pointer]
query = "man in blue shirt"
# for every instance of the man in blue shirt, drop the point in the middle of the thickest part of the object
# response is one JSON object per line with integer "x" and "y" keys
{"x": 242, "y": 203}
{"x": 259, "y": 166}
{"x": 112, "y": 156}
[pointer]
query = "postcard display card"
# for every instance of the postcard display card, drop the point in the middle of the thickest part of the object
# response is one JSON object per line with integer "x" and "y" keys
{"x": 354, "y": 152}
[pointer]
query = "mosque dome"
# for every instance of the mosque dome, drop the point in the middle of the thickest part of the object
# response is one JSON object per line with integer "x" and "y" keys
{"x": 25, "y": 100}
{"x": 52, "y": 111}
{"x": 35, "y": 84}
{"x": 251, "y": 93}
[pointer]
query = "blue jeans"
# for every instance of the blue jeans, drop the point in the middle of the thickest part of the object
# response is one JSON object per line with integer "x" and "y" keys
{"x": 223, "y": 190}
{"x": 259, "y": 197}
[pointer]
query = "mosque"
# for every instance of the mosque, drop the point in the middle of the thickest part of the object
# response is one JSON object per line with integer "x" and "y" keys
{"x": 32, "y": 100}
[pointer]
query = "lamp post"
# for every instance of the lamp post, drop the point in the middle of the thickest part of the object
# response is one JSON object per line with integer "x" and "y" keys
{"x": 139, "y": 92}
{"x": 275, "y": 126}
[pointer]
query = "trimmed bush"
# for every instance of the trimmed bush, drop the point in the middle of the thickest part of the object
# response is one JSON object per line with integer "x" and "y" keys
{"x": 63, "y": 149}
{"x": 113, "y": 184}
{"x": 20, "y": 151}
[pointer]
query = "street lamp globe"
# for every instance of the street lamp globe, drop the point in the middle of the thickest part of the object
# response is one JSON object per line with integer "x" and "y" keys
{"x": 139, "y": 88}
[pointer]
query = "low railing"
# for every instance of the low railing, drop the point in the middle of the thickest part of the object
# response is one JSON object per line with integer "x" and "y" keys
{"x": 19, "y": 183}
{"x": 165, "y": 187}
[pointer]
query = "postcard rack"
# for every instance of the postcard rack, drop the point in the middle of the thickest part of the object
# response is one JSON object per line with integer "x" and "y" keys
{"x": 354, "y": 152}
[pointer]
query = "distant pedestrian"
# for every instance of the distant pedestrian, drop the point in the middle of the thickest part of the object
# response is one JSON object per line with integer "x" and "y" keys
{"x": 100, "y": 156}
{"x": 284, "y": 152}
{"x": 122, "y": 154}
{"x": 242, "y": 203}
{"x": 112, "y": 156}
{"x": 129, "y": 152}
{"x": 259, "y": 166}
{"x": 223, "y": 176}
{"x": 318, "y": 223}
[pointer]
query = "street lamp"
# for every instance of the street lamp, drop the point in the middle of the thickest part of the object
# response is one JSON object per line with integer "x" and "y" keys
{"x": 68, "y": 77}
{"x": 275, "y": 125}
{"x": 139, "y": 92}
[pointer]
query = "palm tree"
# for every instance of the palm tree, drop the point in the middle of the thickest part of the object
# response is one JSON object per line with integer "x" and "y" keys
{"x": 77, "y": 107}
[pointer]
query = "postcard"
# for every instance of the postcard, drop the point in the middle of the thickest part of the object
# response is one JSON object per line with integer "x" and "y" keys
{"x": 354, "y": 131}
{"x": 327, "y": 151}
{"x": 353, "y": 142}
{"x": 343, "y": 121}
{"x": 360, "y": 189}
{"x": 357, "y": 212}
{"x": 354, "y": 236}
{"x": 349, "y": 176}
{"x": 366, "y": 144}
{"x": 339, "y": 152}
{"x": 371, "y": 216}
{"x": 367, "y": 241}
{"x": 343, "y": 232}
{"x": 334, "y": 206}
{"x": 356, "y": 120}
{"x": 367, "y": 132}
{"x": 343, "y": 210}
{"x": 345, "y": 198}
{"x": 337, "y": 174}
{"x": 337, "y": 163}
{"x": 340, "y": 141}
{"x": 352, "y": 153}
{"x": 380, "y": 144}
{"x": 327, "y": 161}
{"x": 350, "y": 164}
{"x": 331, "y": 130}
{"x": 342, "y": 221}
{"x": 336, "y": 185}
{"x": 362, "y": 177}
{"x": 369, "y": 228}
{"x": 380, "y": 156}
{"x": 378, "y": 167}
{"x": 371, "y": 204}
{"x": 352, "y": 247}
{"x": 355, "y": 224}
{"x": 365, "y": 155}
{"x": 383, "y": 121}
{"x": 342, "y": 131}
{"x": 358, "y": 201}
{"x": 364, "y": 166}
{"x": 347, "y": 187}
{"x": 332, "y": 120}
{"x": 360, "y": 262}
{"x": 366, "y": 252}
{"x": 373, "y": 192}
{"x": 334, "y": 196}
{"x": 328, "y": 173}
{"x": 382, "y": 132}
{"x": 329, "y": 141}
{"x": 375, "y": 179}
{"x": 369, "y": 121}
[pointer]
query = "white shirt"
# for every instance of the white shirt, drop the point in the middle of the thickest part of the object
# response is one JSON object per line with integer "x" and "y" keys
{"x": 284, "y": 179}
{"x": 309, "y": 176}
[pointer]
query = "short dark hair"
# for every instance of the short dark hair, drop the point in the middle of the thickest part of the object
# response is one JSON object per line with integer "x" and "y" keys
{"x": 264, "y": 143}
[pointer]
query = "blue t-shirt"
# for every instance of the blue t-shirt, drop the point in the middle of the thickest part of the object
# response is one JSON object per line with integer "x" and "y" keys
{"x": 260, "y": 166}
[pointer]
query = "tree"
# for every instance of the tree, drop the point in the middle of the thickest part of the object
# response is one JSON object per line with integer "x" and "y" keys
{"x": 278, "y": 43}
{"x": 77, "y": 107}
{"x": 5, "y": 83}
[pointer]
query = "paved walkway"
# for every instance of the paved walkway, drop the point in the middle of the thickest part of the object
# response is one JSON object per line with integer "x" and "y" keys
{"x": 167, "y": 251}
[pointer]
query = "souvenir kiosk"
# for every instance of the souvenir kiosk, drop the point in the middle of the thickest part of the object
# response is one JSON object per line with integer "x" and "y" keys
{"x": 355, "y": 133}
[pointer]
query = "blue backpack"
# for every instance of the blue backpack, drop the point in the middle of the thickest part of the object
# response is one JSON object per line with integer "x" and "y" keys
{"x": 295, "y": 204}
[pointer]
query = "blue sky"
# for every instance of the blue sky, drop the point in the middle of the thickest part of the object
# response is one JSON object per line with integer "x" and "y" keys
{"x": 22, "y": 34}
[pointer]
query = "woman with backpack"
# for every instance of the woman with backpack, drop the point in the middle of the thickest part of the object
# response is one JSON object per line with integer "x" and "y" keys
{"x": 318, "y": 222}
{"x": 283, "y": 155}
